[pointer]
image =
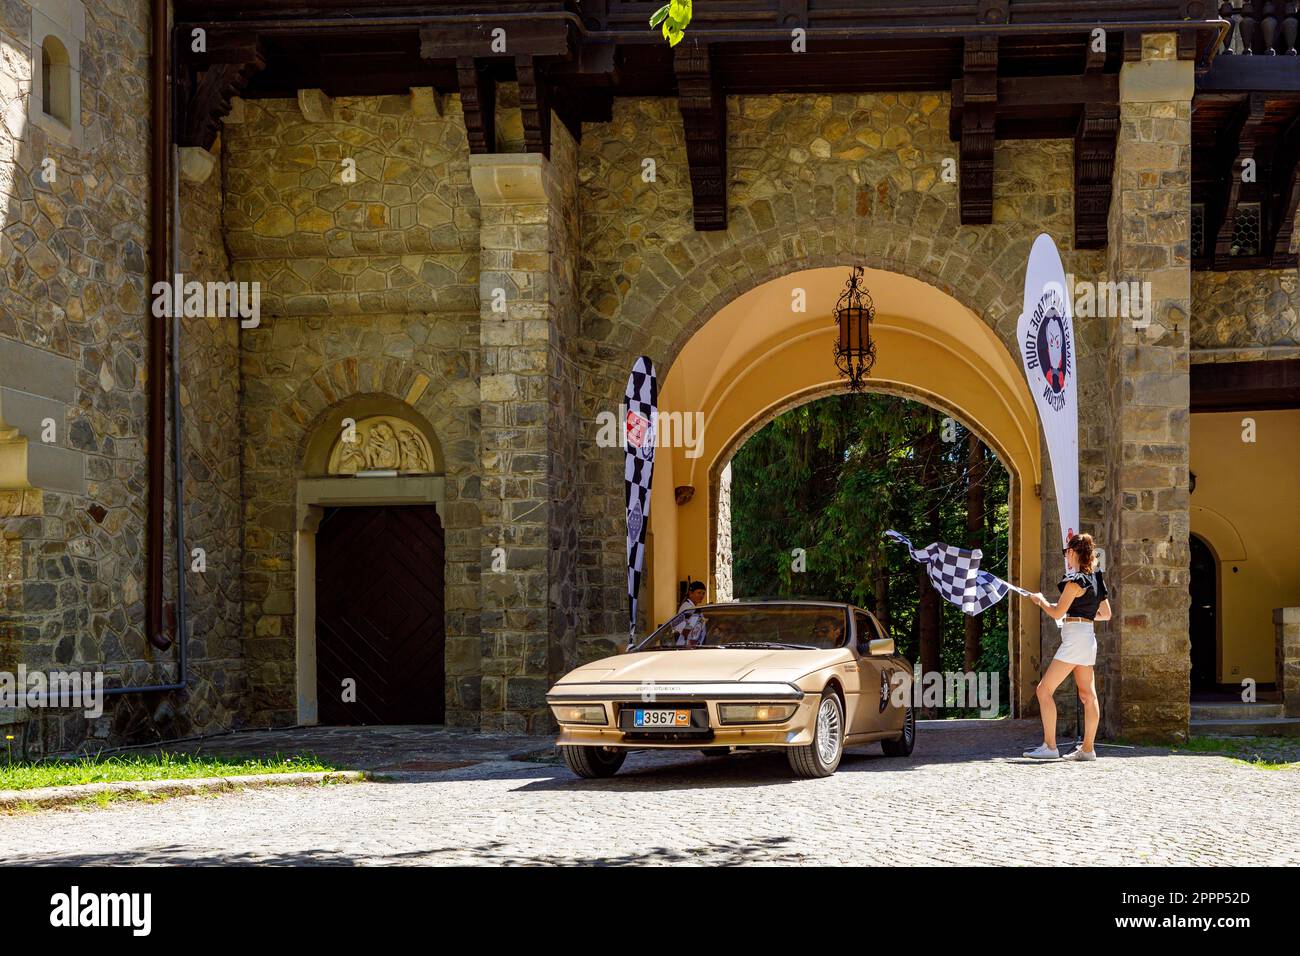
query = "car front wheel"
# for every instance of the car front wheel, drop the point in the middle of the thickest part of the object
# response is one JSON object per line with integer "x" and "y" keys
{"x": 593, "y": 762}
{"x": 821, "y": 757}
{"x": 902, "y": 747}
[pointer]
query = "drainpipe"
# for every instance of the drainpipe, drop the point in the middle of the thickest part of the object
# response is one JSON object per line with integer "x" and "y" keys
{"x": 161, "y": 172}
{"x": 158, "y": 272}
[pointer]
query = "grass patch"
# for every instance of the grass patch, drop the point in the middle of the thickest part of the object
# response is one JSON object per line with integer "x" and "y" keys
{"x": 27, "y": 775}
{"x": 1263, "y": 753}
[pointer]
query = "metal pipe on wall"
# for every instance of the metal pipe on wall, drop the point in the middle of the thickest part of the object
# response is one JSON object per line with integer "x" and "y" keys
{"x": 157, "y": 362}
{"x": 164, "y": 170}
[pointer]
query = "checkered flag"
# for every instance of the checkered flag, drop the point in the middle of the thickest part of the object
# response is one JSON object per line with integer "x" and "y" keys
{"x": 955, "y": 574}
{"x": 640, "y": 421}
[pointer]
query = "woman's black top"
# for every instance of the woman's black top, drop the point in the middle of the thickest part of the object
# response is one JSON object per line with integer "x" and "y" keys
{"x": 1094, "y": 592}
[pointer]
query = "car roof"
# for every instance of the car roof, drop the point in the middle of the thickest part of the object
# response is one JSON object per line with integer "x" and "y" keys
{"x": 781, "y": 601}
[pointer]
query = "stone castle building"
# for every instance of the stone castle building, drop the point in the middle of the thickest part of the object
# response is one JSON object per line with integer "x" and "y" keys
{"x": 466, "y": 221}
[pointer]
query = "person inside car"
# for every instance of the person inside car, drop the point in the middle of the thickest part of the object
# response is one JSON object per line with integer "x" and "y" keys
{"x": 690, "y": 629}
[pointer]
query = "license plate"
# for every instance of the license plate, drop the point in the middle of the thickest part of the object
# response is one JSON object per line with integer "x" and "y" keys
{"x": 661, "y": 718}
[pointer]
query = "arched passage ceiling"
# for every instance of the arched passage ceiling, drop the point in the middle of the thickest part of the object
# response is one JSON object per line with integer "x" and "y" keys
{"x": 758, "y": 351}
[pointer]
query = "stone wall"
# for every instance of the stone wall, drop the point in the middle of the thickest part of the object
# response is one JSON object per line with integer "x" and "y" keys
{"x": 73, "y": 341}
{"x": 813, "y": 181}
{"x": 210, "y": 396}
{"x": 530, "y": 429}
{"x": 1245, "y": 312}
{"x": 1147, "y": 669}
{"x": 370, "y": 289}
{"x": 394, "y": 230}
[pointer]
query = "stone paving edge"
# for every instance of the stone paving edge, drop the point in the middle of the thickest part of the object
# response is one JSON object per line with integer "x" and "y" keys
{"x": 43, "y": 797}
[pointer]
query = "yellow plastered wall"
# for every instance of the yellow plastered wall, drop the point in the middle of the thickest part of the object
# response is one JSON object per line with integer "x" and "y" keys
{"x": 758, "y": 355}
{"x": 1247, "y": 508}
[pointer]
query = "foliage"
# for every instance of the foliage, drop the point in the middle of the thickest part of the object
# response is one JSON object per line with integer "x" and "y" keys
{"x": 830, "y": 477}
{"x": 26, "y": 775}
{"x": 673, "y": 18}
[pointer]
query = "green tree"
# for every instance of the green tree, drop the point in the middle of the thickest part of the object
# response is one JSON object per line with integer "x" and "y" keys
{"x": 826, "y": 480}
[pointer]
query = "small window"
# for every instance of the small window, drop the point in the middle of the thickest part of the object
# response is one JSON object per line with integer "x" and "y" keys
{"x": 867, "y": 631}
{"x": 56, "y": 81}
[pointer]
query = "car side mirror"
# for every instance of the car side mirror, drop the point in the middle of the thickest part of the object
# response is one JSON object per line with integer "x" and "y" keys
{"x": 881, "y": 646}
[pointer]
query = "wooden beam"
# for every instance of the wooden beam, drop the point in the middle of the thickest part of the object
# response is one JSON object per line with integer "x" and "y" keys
{"x": 1094, "y": 168}
{"x": 534, "y": 105}
{"x": 704, "y": 120}
{"x": 478, "y": 96}
{"x": 510, "y": 36}
{"x": 1246, "y": 124}
{"x": 979, "y": 98}
{"x": 1245, "y": 386}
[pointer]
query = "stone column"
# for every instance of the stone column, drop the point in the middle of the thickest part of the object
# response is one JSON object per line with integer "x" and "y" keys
{"x": 529, "y": 429}
{"x": 1147, "y": 690}
{"x": 1287, "y": 622}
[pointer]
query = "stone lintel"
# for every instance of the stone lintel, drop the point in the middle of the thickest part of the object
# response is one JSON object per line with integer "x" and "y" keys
{"x": 331, "y": 492}
{"x": 509, "y": 178}
{"x": 1157, "y": 81}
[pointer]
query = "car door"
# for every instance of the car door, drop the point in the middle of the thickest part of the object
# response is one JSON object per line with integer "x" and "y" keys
{"x": 872, "y": 678}
{"x": 896, "y": 681}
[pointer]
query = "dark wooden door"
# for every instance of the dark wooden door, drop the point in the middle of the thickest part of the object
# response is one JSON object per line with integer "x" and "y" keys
{"x": 1203, "y": 618}
{"x": 379, "y": 615}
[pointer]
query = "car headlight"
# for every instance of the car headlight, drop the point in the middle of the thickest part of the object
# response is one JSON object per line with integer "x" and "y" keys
{"x": 579, "y": 713}
{"x": 755, "y": 713}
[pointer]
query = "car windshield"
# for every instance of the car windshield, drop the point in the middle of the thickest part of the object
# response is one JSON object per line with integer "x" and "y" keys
{"x": 779, "y": 626}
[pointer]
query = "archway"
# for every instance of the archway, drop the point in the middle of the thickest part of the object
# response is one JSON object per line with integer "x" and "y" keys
{"x": 771, "y": 348}
{"x": 370, "y": 567}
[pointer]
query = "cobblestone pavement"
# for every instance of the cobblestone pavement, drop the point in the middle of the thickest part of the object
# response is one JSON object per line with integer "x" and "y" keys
{"x": 965, "y": 796}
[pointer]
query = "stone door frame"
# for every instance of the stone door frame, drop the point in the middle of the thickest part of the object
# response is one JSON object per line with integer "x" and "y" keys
{"x": 314, "y": 495}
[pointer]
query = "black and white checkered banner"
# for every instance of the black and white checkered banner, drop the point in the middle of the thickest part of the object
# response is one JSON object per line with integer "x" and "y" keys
{"x": 640, "y": 422}
{"x": 955, "y": 574}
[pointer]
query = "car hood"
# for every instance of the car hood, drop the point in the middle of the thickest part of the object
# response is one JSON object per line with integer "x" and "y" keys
{"x": 705, "y": 664}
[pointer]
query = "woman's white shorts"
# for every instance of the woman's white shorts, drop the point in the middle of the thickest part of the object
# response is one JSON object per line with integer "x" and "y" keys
{"x": 1078, "y": 643}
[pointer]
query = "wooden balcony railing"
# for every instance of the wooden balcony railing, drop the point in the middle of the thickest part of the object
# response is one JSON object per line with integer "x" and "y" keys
{"x": 1260, "y": 27}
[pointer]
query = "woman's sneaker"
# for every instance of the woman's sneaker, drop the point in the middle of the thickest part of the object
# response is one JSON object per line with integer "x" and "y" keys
{"x": 1043, "y": 753}
{"x": 1082, "y": 754}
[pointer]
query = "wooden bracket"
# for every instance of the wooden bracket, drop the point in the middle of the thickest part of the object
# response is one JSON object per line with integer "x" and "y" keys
{"x": 534, "y": 105}
{"x": 979, "y": 102}
{"x": 478, "y": 99}
{"x": 1094, "y": 169}
{"x": 704, "y": 120}
{"x": 1247, "y": 121}
{"x": 206, "y": 84}
{"x": 1285, "y": 196}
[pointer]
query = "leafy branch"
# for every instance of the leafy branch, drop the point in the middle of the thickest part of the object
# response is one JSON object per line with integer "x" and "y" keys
{"x": 673, "y": 18}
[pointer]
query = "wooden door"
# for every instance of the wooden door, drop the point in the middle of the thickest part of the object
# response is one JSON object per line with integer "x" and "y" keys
{"x": 379, "y": 615}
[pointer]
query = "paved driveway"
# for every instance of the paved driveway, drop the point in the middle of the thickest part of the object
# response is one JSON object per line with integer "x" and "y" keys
{"x": 963, "y": 797}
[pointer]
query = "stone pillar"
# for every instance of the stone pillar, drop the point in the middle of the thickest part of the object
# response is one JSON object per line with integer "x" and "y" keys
{"x": 1147, "y": 690}
{"x": 1287, "y": 622}
{"x": 529, "y": 428}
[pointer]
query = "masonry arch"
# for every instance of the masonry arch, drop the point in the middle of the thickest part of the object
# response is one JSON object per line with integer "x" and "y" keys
{"x": 757, "y": 356}
{"x": 372, "y": 463}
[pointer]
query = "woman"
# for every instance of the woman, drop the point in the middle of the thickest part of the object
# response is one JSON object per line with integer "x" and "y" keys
{"x": 1083, "y": 601}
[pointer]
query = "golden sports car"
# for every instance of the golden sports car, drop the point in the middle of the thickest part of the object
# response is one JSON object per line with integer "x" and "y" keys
{"x": 806, "y": 677}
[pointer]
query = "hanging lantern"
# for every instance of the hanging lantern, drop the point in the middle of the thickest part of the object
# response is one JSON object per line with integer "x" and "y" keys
{"x": 855, "y": 353}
